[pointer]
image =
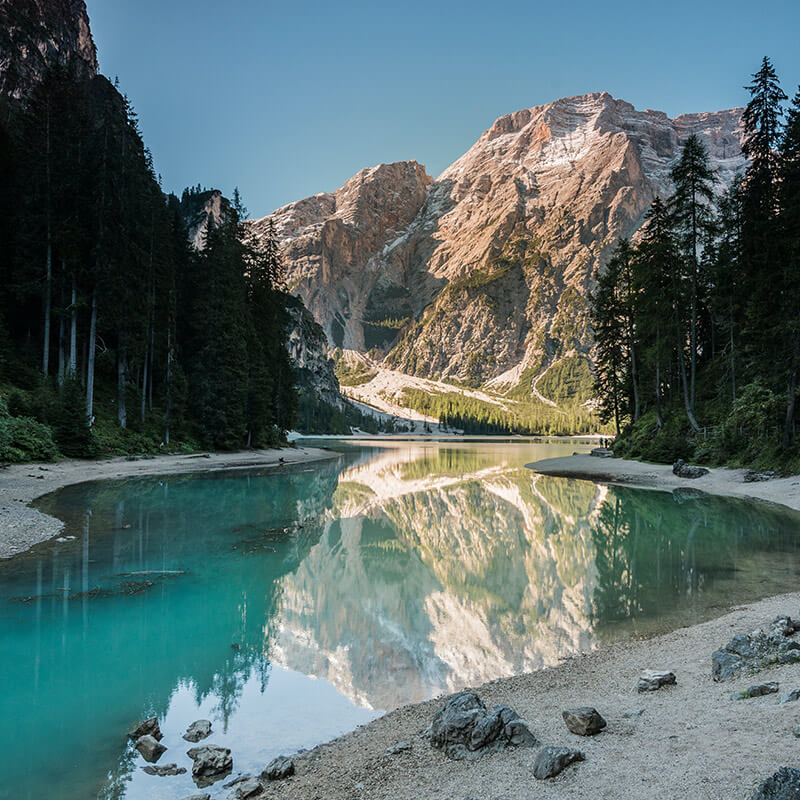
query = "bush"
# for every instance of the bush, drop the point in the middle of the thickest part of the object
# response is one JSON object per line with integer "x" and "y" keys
{"x": 72, "y": 431}
{"x": 24, "y": 439}
{"x": 644, "y": 439}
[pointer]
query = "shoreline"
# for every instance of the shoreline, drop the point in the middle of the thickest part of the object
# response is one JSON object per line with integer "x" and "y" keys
{"x": 692, "y": 740}
{"x": 642, "y": 475}
{"x": 23, "y": 527}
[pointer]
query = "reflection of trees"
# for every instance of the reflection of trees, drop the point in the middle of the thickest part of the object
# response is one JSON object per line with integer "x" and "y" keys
{"x": 656, "y": 551}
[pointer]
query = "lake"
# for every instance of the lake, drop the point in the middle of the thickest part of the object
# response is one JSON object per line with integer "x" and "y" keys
{"x": 289, "y": 608}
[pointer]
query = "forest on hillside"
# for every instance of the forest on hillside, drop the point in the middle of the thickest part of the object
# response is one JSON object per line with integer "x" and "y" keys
{"x": 115, "y": 335}
{"x": 697, "y": 321}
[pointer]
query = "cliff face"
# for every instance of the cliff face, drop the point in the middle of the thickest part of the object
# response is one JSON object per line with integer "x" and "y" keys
{"x": 484, "y": 273}
{"x": 36, "y": 34}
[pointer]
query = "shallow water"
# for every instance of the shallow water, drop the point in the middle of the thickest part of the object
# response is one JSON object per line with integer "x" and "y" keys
{"x": 289, "y": 608}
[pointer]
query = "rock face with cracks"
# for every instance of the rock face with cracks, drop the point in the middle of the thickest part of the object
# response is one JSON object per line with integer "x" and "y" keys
{"x": 464, "y": 728}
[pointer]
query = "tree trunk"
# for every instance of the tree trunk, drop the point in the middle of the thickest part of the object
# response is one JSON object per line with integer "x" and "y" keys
{"x": 168, "y": 382}
{"x": 635, "y": 379}
{"x": 122, "y": 369}
{"x": 90, "y": 358}
{"x": 686, "y": 402}
{"x": 73, "y": 332}
{"x": 48, "y": 293}
{"x": 61, "y": 359}
{"x": 144, "y": 380}
{"x": 788, "y": 428}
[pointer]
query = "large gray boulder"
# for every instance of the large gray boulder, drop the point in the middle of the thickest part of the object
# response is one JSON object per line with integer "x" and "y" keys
{"x": 783, "y": 785}
{"x": 552, "y": 760}
{"x": 150, "y": 748}
{"x": 148, "y": 727}
{"x": 278, "y": 769}
{"x": 200, "y": 729}
{"x": 464, "y": 728}
{"x": 584, "y": 721}
{"x": 211, "y": 764}
{"x": 750, "y": 652}
{"x": 684, "y": 470}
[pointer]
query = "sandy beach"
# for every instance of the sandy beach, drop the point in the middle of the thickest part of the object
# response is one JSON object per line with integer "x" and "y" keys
{"x": 22, "y": 527}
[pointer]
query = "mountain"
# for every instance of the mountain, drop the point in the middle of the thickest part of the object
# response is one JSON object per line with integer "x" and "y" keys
{"x": 481, "y": 276}
{"x": 35, "y": 34}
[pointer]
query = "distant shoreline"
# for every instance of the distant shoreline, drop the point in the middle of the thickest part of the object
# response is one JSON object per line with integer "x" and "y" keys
{"x": 23, "y": 527}
{"x": 639, "y": 474}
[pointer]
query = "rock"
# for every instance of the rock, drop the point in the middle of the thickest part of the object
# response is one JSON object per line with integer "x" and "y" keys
{"x": 684, "y": 470}
{"x": 278, "y": 769}
{"x": 632, "y": 713}
{"x": 796, "y": 732}
{"x": 400, "y": 747}
{"x": 211, "y": 764}
{"x": 167, "y": 769}
{"x": 248, "y": 788}
{"x": 683, "y": 494}
{"x": 552, "y": 760}
{"x": 754, "y": 651}
{"x": 584, "y": 721}
{"x": 147, "y": 728}
{"x": 783, "y": 785}
{"x": 759, "y": 690}
{"x": 651, "y": 681}
{"x": 754, "y": 476}
{"x": 790, "y": 697}
{"x": 150, "y": 748}
{"x": 198, "y": 797}
{"x": 201, "y": 729}
{"x": 602, "y": 452}
{"x": 238, "y": 779}
{"x": 464, "y": 728}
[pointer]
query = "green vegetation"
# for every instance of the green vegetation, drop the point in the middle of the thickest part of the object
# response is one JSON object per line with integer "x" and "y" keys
{"x": 568, "y": 381}
{"x": 698, "y": 325}
{"x": 115, "y": 336}
{"x": 351, "y": 373}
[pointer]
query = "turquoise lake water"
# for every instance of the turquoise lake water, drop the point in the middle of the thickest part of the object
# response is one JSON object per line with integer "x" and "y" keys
{"x": 290, "y": 607}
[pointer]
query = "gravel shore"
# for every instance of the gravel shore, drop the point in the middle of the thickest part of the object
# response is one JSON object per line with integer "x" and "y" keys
{"x": 22, "y": 527}
{"x": 690, "y": 741}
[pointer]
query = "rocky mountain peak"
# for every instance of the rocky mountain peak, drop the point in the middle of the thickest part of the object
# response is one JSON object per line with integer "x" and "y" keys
{"x": 37, "y": 34}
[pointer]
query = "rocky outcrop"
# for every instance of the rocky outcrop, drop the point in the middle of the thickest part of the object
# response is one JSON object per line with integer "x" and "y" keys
{"x": 37, "y": 34}
{"x": 201, "y": 209}
{"x": 750, "y": 652}
{"x": 483, "y": 274}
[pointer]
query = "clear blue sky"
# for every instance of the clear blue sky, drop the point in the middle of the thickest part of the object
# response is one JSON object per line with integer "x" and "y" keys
{"x": 286, "y": 99}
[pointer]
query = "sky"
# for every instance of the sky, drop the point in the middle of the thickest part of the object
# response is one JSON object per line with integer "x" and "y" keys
{"x": 287, "y": 99}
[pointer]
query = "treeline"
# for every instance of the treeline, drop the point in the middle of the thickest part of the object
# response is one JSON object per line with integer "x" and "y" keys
{"x": 457, "y": 412}
{"x": 115, "y": 335}
{"x": 698, "y": 324}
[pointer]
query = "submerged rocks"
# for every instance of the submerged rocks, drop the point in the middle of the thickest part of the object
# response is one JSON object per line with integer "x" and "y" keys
{"x": 550, "y": 761}
{"x": 278, "y": 769}
{"x": 464, "y": 728}
{"x": 584, "y": 721}
{"x": 247, "y": 789}
{"x": 782, "y": 785}
{"x": 201, "y": 729}
{"x": 650, "y": 681}
{"x": 211, "y": 764}
{"x": 684, "y": 470}
{"x": 753, "y": 651}
{"x": 150, "y": 748}
{"x": 148, "y": 727}
{"x": 167, "y": 769}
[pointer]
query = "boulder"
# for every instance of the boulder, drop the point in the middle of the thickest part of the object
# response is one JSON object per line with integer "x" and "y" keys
{"x": 552, "y": 760}
{"x": 684, "y": 470}
{"x": 651, "y": 681}
{"x": 167, "y": 769}
{"x": 246, "y": 789}
{"x": 783, "y": 785}
{"x": 754, "y": 476}
{"x": 585, "y": 721}
{"x": 278, "y": 769}
{"x": 750, "y": 652}
{"x": 198, "y": 797}
{"x": 211, "y": 764}
{"x": 464, "y": 728}
{"x": 790, "y": 697}
{"x": 150, "y": 748}
{"x": 148, "y": 727}
{"x": 759, "y": 690}
{"x": 201, "y": 729}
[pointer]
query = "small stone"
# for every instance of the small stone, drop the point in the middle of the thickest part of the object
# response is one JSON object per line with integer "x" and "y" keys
{"x": 760, "y": 689}
{"x": 201, "y": 729}
{"x": 632, "y": 713}
{"x": 783, "y": 785}
{"x": 238, "y": 779}
{"x": 251, "y": 787}
{"x": 150, "y": 748}
{"x": 400, "y": 747}
{"x": 550, "y": 761}
{"x": 651, "y": 681}
{"x": 163, "y": 771}
{"x": 278, "y": 769}
{"x": 147, "y": 728}
{"x": 583, "y": 721}
{"x": 796, "y": 732}
{"x": 790, "y": 697}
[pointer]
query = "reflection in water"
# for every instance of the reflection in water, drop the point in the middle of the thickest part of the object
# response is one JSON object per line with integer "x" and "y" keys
{"x": 290, "y": 608}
